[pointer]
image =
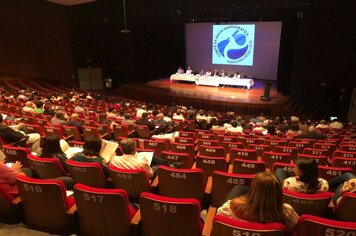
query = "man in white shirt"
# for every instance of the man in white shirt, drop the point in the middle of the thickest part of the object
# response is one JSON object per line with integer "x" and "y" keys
{"x": 141, "y": 110}
{"x": 188, "y": 71}
{"x": 129, "y": 159}
{"x": 235, "y": 128}
{"x": 178, "y": 115}
{"x": 208, "y": 72}
{"x": 163, "y": 135}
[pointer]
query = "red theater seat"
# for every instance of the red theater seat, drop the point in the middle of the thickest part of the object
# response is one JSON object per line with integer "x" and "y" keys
{"x": 313, "y": 225}
{"x": 211, "y": 151}
{"x": 103, "y": 211}
{"x": 224, "y": 226}
{"x": 14, "y": 154}
{"x": 210, "y": 164}
{"x": 46, "y": 168}
{"x": 345, "y": 210}
{"x": 241, "y": 166}
{"x": 46, "y": 206}
{"x": 8, "y": 213}
{"x": 170, "y": 216}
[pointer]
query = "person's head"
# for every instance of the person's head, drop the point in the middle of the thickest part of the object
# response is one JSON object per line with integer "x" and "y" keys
{"x": 323, "y": 122}
{"x": 311, "y": 129}
{"x": 74, "y": 117}
{"x": 28, "y": 104}
{"x": 51, "y": 146}
{"x": 111, "y": 109}
{"x": 60, "y": 115}
{"x": 264, "y": 201}
{"x": 1, "y": 118}
{"x": 128, "y": 146}
{"x": 144, "y": 115}
{"x": 102, "y": 116}
{"x": 92, "y": 146}
{"x": 307, "y": 171}
{"x": 160, "y": 116}
{"x": 233, "y": 123}
{"x": 127, "y": 116}
{"x": 162, "y": 129}
{"x": 39, "y": 104}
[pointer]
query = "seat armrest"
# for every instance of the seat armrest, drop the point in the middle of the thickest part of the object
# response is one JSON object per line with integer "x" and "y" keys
{"x": 104, "y": 135}
{"x": 208, "y": 225}
{"x": 136, "y": 219}
{"x": 16, "y": 201}
{"x": 154, "y": 184}
{"x": 230, "y": 169}
{"x": 194, "y": 166}
{"x": 72, "y": 210}
{"x": 68, "y": 137}
{"x": 208, "y": 185}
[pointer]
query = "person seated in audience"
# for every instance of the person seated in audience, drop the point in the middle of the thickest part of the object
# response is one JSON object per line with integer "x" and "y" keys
{"x": 180, "y": 70}
{"x": 336, "y": 125}
{"x": 8, "y": 175}
{"x": 235, "y": 127}
{"x": 22, "y": 96}
{"x": 281, "y": 124}
{"x": 39, "y": 107}
{"x": 258, "y": 128}
{"x": 16, "y": 134}
{"x": 162, "y": 133}
{"x": 51, "y": 148}
{"x": 127, "y": 120}
{"x": 160, "y": 120}
{"x": 48, "y": 110}
{"x": 322, "y": 125}
{"x": 172, "y": 108}
{"x": 216, "y": 125}
{"x": 121, "y": 115}
{"x": 345, "y": 183}
{"x": 145, "y": 121}
{"x": 79, "y": 109}
{"x": 294, "y": 129}
{"x": 141, "y": 110}
{"x": 111, "y": 114}
{"x": 76, "y": 122}
{"x": 260, "y": 203}
{"x": 237, "y": 75}
{"x": 312, "y": 134}
{"x": 59, "y": 118}
{"x": 191, "y": 110}
{"x": 9, "y": 98}
{"x": 166, "y": 117}
{"x": 304, "y": 126}
{"x": 131, "y": 161}
{"x": 29, "y": 106}
{"x": 201, "y": 116}
{"x": 208, "y": 72}
{"x": 306, "y": 177}
{"x": 91, "y": 153}
{"x": 216, "y": 72}
{"x": 178, "y": 115}
{"x": 189, "y": 71}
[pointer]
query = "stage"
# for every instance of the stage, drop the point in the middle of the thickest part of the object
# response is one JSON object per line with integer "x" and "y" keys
{"x": 241, "y": 100}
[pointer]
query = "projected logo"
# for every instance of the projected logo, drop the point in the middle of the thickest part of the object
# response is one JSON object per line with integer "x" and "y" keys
{"x": 233, "y": 44}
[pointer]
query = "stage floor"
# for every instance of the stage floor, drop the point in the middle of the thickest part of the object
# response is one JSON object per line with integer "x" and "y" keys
{"x": 162, "y": 91}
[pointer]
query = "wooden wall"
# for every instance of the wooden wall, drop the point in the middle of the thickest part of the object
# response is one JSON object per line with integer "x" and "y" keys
{"x": 34, "y": 40}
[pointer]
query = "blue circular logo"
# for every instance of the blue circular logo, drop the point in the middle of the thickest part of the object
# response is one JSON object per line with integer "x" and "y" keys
{"x": 232, "y": 43}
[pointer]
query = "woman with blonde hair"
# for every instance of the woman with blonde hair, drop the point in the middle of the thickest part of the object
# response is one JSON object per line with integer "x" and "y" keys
{"x": 262, "y": 204}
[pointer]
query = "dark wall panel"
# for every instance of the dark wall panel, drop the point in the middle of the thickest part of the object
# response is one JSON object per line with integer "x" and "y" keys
{"x": 34, "y": 40}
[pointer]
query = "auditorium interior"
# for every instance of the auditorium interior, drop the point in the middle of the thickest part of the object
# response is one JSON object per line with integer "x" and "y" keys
{"x": 180, "y": 118}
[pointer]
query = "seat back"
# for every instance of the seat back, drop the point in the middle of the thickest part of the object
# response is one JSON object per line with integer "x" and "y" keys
{"x": 53, "y": 130}
{"x": 207, "y": 142}
{"x": 313, "y": 225}
{"x": 345, "y": 210}
{"x": 348, "y": 148}
{"x": 90, "y": 174}
{"x": 169, "y": 216}
{"x": 211, "y": 151}
{"x": 134, "y": 182}
{"x": 187, "y": 134}
{"x": 229, "y": 145}
{"x": 34, "y": 129}
{"x": 7, "y": 211}
{"x": 273, "y": 143}
{"x": 346, "y": 154}
{"x": 306, "y": 203}
{"x": 183, "y": 148}
{"x": 209, "y": 165}
{"x": 321, "y": 160}
{"x": 45, "y": 204}
{"x": 120, "y": 131}
{"x": 188, "y": 183}
{"x": 248, "y": 141}
{"x": 241, "y": 166}
{"x": 246, "y": 154}
{"x": 227, "y": 138}
{"x": 260, "y": 148}
{"x": 300, "y": 145}
{"x": 72, "y": 130}
{"x": 223, "y": 183}
{"x": 143, "y": 131}
{"x": 46, "y": 168}
{"x": 285, "y": 166}
{"x": 328, "y": 172}
{"x": 328, "y": 146}
{"x": 345, "y": 162}
{"x": 158, "y": 146}
{"x": 315, "y": 151}
{"x": 285, "y": 149}
{"x": 272, "y": 157}
{"x": 90, "y": 131}
{"x": 187, "y": 160}
{"x": 109, "y": 206}
{"x": 184, "y": 140}
{"x": 224, "y": 226}
{"x": 14, "y": 154}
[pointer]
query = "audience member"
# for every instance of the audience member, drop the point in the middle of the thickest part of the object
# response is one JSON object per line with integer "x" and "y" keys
{"x": 59, "y": 118}
{"x": 145, "y": 121}
{"x": 312, "y": 134}
{"x": 76, "y": 122}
